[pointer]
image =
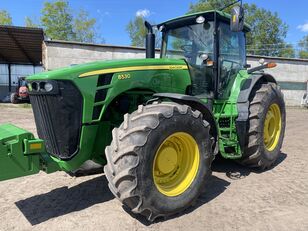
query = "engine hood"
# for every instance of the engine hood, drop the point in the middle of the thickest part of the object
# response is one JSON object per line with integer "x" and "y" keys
{"x": 112, "y": 66}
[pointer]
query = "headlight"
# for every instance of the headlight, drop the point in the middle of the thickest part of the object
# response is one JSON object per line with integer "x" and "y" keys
{"x": 42, "y": 87}
{"x": 35, "y": 86}
{"x": 48, "y": 87}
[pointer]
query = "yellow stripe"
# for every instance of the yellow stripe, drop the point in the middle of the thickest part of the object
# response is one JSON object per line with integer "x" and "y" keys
{"x": 136, "y": 68}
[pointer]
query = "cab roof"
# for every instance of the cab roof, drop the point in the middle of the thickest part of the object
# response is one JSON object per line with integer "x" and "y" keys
{"x": 191, "y": 19}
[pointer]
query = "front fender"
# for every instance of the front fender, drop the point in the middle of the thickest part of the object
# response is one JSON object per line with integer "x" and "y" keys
{"x": 195, "y": 103}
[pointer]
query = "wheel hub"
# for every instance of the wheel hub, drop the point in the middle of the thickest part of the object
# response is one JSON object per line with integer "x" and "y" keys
{"x": 167, "y": 160}
{"x": 176, "y": 164}
{"x": 272, "y": 127}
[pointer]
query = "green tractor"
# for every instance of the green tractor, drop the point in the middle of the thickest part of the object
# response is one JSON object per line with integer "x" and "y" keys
{"x": 156, "y": 124}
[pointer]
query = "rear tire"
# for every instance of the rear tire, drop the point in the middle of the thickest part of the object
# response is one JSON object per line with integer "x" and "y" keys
{"x": 14, "y": 98}
{"x": 266, "y": 126}
{"x": 131, "y": 159}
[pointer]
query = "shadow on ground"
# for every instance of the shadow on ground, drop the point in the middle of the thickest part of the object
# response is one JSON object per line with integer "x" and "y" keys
{"x": 64, "y": 200}
{"x": 61, "y": 201}
{"x": 236, "y": 171}
{"x": 215, "y": 186}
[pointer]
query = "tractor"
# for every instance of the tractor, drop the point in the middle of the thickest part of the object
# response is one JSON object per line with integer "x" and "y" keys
{"x": 21, "y": 94}
{"x": 155, "y": 124}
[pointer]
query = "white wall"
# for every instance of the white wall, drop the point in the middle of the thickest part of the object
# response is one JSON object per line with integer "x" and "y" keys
{"x": 4, "y": 72}
{"x": 17, "y": 70}
{"x": 60, "y": 54}
{"x": 292, "y": 72}
{"x": 23, "y": 70}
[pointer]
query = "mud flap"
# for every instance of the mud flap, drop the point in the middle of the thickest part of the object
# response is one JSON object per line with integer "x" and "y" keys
{"x": 19, "y": 152}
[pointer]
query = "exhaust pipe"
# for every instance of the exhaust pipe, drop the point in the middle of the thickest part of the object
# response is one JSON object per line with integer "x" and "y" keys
{"x": 149, "y": 41}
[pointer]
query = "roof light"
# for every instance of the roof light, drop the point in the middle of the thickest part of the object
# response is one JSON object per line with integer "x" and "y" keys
{"x": 200, "y": 19}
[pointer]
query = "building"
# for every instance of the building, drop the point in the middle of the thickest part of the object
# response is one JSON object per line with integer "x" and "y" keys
{"x": 20, "y": 55}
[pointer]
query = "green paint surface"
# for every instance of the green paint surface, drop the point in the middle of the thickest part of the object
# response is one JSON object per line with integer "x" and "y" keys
{"x": 135, "y": 80}
{"x": 13, "y": 161}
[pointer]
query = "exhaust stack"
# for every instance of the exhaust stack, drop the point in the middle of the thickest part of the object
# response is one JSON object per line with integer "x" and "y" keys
{"x": 149, "y": 41}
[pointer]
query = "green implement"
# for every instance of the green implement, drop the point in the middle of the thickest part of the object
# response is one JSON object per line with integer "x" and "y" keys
{"x": 18, "y": 152}
{"x": 21, "y": 154}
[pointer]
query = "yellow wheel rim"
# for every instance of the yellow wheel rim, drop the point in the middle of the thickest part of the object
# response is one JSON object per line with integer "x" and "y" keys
{"x": 176, "y": 164}
{"x": 272, "y": 127}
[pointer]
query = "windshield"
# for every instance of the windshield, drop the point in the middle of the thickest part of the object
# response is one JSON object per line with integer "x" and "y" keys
{"x": 189, "y": 42}
{"x": 194, "y": 43}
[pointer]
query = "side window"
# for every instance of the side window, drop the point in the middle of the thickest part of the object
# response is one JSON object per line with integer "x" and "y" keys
{"x": 231, "y": 58}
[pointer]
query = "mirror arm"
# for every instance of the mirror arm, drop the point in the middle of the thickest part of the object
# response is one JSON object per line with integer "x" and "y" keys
{"x": 231, "y": 4}
{"x": 261, "y": 67}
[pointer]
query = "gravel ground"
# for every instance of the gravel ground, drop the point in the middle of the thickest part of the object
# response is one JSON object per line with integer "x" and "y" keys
{"x": 236, "y": 197}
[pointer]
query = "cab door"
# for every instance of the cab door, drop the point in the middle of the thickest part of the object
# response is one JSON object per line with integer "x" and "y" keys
{"x": 232, "y": 58}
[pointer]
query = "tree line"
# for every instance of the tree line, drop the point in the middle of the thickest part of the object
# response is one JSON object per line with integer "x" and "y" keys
{"x": 267, "y": 36}
{"x": 60, "y": 22}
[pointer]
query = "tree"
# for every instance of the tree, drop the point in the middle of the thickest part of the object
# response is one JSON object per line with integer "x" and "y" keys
{"x": 29, "y": 22}
{"x": 5, "y": 18}
{"x": 137, "y": 32}
{"x": 57, "y": 20}
{"x": 59, "y": 23}
{"x": 303, "y": 44}
{"x": 84, "y": 27}
{"x": 287, "y": 51}
{"x": 204, "y": 5}
{"x": 268, "y": 30}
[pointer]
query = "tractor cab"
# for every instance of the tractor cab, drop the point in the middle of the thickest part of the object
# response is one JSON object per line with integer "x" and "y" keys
{"x": 213, "y": 50}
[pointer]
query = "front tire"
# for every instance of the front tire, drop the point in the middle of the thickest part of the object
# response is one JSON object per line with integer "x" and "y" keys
{"x": 267, "y": 121}
{"x": 160, "y": 159}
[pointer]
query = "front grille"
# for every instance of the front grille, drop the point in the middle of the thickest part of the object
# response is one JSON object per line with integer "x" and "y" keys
{"x": 58, "y": 118}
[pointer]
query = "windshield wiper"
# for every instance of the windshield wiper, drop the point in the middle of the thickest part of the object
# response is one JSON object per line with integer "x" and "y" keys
{"x": 196, "y": 35}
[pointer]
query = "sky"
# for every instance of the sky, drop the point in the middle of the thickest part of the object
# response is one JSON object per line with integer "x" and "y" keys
{"x": 113, "y": 15}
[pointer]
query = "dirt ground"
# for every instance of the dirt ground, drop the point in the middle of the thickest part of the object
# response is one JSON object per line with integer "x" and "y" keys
{"x": 236, "y": 197}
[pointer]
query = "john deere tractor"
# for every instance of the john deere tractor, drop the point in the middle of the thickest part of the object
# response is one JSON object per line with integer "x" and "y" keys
{"x": 156, "y": 124}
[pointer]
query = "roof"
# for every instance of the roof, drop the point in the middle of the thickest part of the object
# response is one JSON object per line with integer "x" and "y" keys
{"x": 21, "y": 45}
{"x": 209, "y": 15}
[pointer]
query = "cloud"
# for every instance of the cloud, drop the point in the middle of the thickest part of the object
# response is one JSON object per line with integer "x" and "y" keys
{"x": 143, "y": 13}
{"x": 304, "y": 27}
{"x": 105, "y": 13}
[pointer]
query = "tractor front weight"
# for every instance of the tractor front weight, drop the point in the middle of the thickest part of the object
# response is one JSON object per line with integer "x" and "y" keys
{"x": 21, "y": 154}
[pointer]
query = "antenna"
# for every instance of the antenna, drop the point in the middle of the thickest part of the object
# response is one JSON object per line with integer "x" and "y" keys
{"x": 223, "y": 8}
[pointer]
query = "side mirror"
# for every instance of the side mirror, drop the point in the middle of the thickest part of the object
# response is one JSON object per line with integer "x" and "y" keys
{"x": 237, "y": 19}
